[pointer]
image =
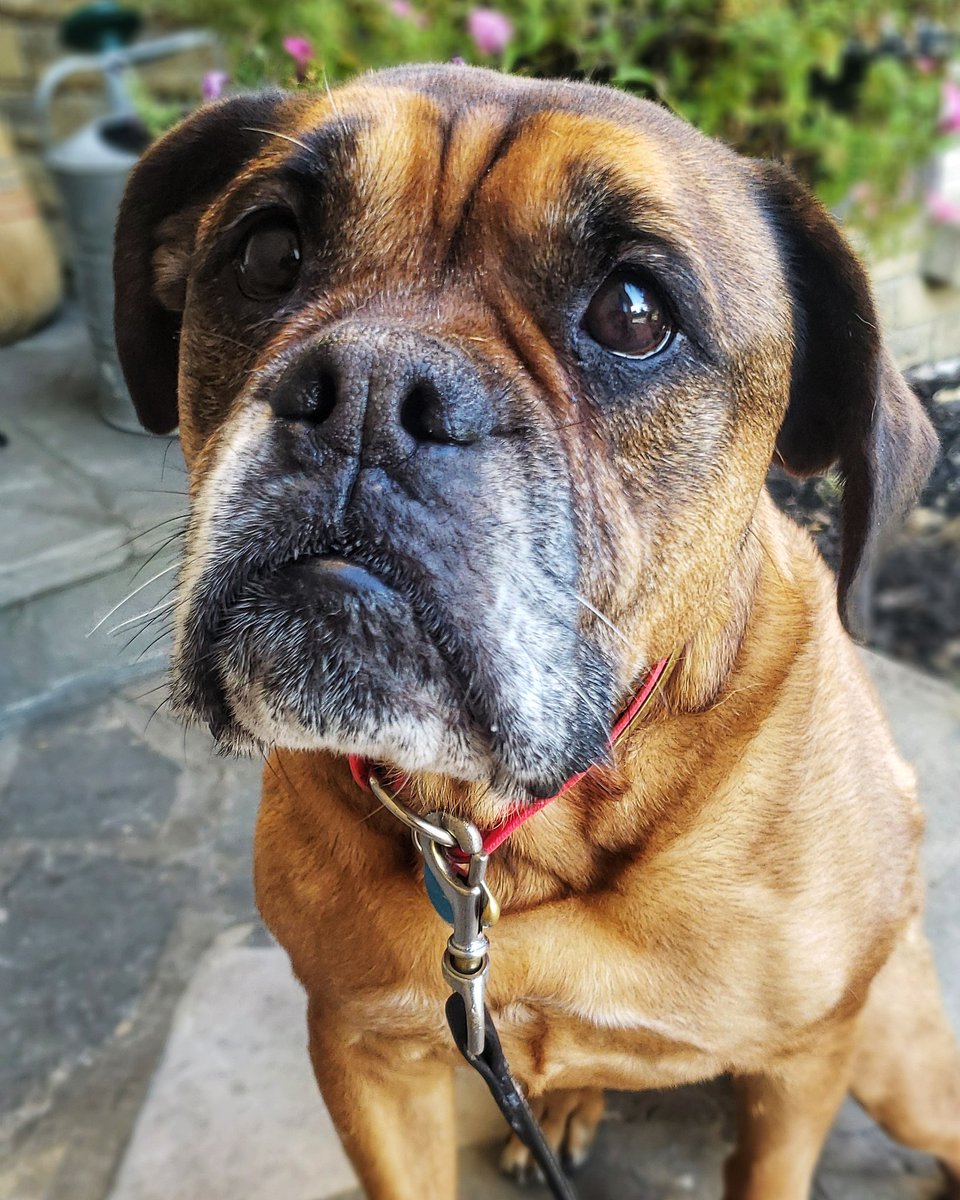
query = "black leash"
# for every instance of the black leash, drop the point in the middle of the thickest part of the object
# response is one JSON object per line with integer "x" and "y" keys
{"x": 492, "y": 1067}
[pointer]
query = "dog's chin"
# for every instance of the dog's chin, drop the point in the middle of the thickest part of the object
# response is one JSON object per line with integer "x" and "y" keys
{"x": 322, "y": 653}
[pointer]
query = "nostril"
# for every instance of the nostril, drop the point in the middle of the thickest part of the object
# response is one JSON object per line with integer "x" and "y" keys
{"x": 312, "y": 399}
{"x": 424, "y": 415}
{"x": 418, "y": 415}
{"x": 323, "y": 396}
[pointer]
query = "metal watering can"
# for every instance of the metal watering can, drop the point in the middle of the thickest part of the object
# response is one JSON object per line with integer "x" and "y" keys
{"x": 91, "y": 168}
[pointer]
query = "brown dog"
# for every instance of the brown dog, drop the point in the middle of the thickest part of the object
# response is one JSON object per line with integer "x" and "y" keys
{"x": 479, "y": 379}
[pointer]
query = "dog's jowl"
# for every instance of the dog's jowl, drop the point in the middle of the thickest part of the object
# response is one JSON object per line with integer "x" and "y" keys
{"x": 478, "y": 380}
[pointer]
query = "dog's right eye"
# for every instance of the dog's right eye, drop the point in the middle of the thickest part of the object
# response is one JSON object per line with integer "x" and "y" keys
{"x": 269, "y": 261}
{"x": 629, "y": 316}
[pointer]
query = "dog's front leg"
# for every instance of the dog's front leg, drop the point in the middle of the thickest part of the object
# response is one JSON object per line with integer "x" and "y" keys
{"x": 393, "y": 1109}
{"x": 783, "y": 1117}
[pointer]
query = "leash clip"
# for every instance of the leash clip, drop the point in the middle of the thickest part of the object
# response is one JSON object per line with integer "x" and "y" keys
{"x": 461, "y": 897}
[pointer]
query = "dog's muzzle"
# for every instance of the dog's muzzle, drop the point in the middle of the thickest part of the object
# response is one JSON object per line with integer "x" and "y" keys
{"x": 392, "y": 570}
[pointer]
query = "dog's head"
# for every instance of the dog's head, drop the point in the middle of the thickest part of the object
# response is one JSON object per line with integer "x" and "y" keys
{"x": 478, "y": 380}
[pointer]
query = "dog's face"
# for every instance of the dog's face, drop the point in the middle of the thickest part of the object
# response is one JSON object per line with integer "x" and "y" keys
{"x": 479, "y": 380}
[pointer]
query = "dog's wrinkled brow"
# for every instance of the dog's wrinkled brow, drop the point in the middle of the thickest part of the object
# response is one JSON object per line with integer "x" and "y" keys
{"x": 329, "y": 145}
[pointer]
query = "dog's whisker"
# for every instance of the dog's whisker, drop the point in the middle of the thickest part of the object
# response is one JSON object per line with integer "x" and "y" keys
{"x": 165, "y": 686}
{"x": 601, "y": 617}
{"x": 277, "y": 134}
{"x": 143, "y": 533}
{"x": 223, "y": 337}
{"x": 159, "y": 638}
{"x": 773, "y": 562}
{"x": 165, "y": 700}
{"x": 159, "y": 550}
{"x": 159, "y": 609}
{"x": 129, "y": 642}
{"x": 136, "y": 591}
{"x": 344, "y": 127}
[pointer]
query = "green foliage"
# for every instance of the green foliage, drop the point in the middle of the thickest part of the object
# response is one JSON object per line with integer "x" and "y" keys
{"x": 741, "y": 70}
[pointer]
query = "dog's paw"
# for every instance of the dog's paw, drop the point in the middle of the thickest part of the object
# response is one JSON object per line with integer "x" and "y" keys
{"x": 569, "y": 1121}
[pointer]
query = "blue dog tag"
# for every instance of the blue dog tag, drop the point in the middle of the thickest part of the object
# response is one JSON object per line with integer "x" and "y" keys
{"x": 443, "y": 907}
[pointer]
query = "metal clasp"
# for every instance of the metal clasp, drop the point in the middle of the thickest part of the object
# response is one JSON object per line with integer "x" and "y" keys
{"x": 466, "y": 961}
{"x": 462, "y": 898}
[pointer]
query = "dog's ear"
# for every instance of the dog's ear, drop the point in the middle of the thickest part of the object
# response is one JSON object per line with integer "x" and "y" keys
{"x": 848, "y": 402}
{"x": 169, "y": 188}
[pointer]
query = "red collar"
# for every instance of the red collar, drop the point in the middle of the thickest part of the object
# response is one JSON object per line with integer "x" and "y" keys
{"x": 360, "y": 768}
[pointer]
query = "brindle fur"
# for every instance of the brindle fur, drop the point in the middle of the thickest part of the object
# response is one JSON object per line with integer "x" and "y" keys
{"x": 738, "y": 891}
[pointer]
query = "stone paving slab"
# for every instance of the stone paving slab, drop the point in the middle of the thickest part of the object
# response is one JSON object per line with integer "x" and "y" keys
{"x": 50, "y": 663}
{"x": 232, "y": 1109}
{"x": 124, "y": 851}
{"x": 227, "y": 1079}
{"x": 77, "y": 495}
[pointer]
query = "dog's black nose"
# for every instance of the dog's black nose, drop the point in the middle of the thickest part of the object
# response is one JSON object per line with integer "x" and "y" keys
{"x": 375, "y": 388}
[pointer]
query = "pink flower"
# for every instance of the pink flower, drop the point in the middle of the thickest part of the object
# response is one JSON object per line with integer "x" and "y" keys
{"x": 943, "y": 209}
{"x": 401, "y": 8}
{"x": 300, "y": 50}
{"x": 491, "y": 30}
{"x": 213, "y": 84}
{"x": 950, "y": 116}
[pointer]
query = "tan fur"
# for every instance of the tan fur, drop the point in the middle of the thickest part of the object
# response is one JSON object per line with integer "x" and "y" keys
{"x": 738, "y": 891}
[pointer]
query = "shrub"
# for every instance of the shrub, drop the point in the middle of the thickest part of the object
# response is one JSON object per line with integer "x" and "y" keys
{"x": 836, "y": 89}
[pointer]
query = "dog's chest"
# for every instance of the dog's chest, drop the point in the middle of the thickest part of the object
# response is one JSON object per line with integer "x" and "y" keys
{"x": 554, "y": 1042}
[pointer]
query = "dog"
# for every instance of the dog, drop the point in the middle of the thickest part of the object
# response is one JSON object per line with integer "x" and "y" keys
{"x": 478, "y": 380}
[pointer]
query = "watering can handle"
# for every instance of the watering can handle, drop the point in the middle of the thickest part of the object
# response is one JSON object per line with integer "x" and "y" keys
{"x": 110, "y": 63}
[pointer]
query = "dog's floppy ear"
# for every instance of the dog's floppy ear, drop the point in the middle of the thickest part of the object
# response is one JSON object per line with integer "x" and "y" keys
{"x": 169, "y": 187}
{"x": 848, "y": 402}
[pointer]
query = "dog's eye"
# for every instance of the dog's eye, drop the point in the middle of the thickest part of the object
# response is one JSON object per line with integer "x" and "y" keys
{"x": 629, "y": 316}
{"x": 269, "y": 261}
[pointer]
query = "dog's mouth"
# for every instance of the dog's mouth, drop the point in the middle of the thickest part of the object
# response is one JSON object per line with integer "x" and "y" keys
{"x": 308, "y": 641}
{"x": 338, "y": 649}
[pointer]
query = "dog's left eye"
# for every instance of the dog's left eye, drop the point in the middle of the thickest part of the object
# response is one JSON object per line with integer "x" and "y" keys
{"x": 629, "y": 316}
{"x": 269, "y": 261}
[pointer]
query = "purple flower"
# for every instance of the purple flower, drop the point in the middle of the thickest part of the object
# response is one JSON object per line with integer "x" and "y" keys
{"x": 300, "y": 50}
{"x": 491, "y": 30}
{"x": 213, "y": 84}
{"x": 458, "y": 60}
{"x": 404, "y": 11}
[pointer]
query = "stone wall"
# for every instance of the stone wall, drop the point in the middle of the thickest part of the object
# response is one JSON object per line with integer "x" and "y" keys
{"x": 921, "y": 322}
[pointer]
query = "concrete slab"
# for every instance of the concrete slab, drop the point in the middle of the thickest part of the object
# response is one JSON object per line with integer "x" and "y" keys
{"x": 233, "y": 1111}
